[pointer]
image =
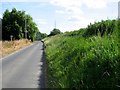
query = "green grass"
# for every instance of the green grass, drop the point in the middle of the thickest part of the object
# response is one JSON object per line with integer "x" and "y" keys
{"x": 78, "y": 62}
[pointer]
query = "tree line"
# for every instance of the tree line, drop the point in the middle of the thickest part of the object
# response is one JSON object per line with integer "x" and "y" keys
{"x": 0, "y": 29}
{"x": 19, "y": 25}
{"x": 101, "y": 28}
{"x": 104, "y": 27}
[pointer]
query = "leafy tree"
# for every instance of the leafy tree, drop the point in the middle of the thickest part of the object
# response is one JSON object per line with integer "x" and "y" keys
{"x": 6, "y": 25}
{"x": 40, "y": 36}
{"x": 0, "y": 29}
{"x": 31, "y": 28}
{"x": 102, "y": 28}
{"x": 16, "y": 23}
{"x": 54, "y": 32}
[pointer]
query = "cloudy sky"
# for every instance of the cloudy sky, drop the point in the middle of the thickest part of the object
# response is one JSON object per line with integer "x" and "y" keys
{"x": 68, "y": 14}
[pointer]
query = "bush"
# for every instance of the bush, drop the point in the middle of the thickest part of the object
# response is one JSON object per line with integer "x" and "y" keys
{"x": 54, "y": 32}
{"x": 102, "y": 28}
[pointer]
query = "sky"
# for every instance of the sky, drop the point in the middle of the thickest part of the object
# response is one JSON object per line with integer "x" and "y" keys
{"x": 68, "y": 15}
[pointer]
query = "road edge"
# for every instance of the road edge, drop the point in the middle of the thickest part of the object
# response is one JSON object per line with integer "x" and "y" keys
{"x": 16, "y": 51}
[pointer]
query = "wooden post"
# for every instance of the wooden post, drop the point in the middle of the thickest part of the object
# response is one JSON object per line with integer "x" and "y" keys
{"x": 11, "y": 37}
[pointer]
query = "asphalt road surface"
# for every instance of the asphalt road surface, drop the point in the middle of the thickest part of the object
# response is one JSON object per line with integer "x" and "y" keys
{"x": 25, "y": 68}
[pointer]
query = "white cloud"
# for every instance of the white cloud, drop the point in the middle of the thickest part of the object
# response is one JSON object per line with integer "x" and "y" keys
{"x": 60, "y": 11}
{"x": 98, "y": 4}
{"x": 79, "y": 3}
{"x": 41, "y": 21}
{"x": 67, "y": 5}
{"x": 112, "y": 0}
{"x": 70, "y": 7}
{"x": 73, "y": 10}
{"x": 14, "y": 0}
{"x": 95, "y": 4}
{"x": 24, "y": 0}
{"x": 73, "y": 7}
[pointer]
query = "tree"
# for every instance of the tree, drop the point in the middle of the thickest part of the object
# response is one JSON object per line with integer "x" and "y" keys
{"x": 54, "y": 32}
{"x": 31, "y": 28}
{"x": 102, "y": 28}
{"x": 40, "y": 36}
{"x": 6, "y": 25}
{"x": 0, "y": 29}
{"x": 16, "y": 23}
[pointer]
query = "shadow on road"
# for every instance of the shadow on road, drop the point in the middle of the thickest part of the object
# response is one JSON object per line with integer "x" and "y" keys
{"x": 42, "y": 76}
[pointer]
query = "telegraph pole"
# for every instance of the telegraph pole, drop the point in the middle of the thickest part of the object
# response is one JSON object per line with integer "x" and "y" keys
{"x": 25, "y": 29}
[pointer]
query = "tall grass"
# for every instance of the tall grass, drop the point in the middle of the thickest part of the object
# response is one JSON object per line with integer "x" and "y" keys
{"x": 78, "y": 62}
{"x": 8, "y": 47}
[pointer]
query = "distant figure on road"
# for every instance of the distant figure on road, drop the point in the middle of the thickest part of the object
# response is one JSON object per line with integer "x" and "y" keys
{"x": 42, "y": 41}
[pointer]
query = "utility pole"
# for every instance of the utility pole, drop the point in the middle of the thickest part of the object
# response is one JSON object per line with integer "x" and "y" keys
{"x": 25, "y": 29}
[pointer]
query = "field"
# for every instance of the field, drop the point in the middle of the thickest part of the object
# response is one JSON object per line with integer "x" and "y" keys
{"x": 8, "y": 47}
{"x": 75, "y": 61}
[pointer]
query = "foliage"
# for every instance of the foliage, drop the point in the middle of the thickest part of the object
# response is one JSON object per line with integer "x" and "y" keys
{"x": 78, "y": 62}
{"x": 40, "y": 36}
{"x": 103, "y": 27}
{"x": 16, "y": 23}
{"x": 54, "y": 32}
{"x": 76, "y": 33}
{"x": 0, "y": 29}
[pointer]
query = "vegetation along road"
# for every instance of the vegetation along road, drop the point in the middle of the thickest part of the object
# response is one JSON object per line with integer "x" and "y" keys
{"x": 25, "y": 68}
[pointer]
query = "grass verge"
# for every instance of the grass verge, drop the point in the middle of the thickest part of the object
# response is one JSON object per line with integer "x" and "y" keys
{"x": 78, "y": 62}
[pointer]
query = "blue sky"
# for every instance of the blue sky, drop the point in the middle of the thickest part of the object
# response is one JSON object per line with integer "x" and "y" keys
{"x": 69, "y": 14}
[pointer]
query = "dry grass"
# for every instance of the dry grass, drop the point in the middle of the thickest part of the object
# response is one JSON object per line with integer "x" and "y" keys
{"x": 8, "y": 47}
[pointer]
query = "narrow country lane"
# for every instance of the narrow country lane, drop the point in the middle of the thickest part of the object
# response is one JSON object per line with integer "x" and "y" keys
{"x": 25, "y": 68}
